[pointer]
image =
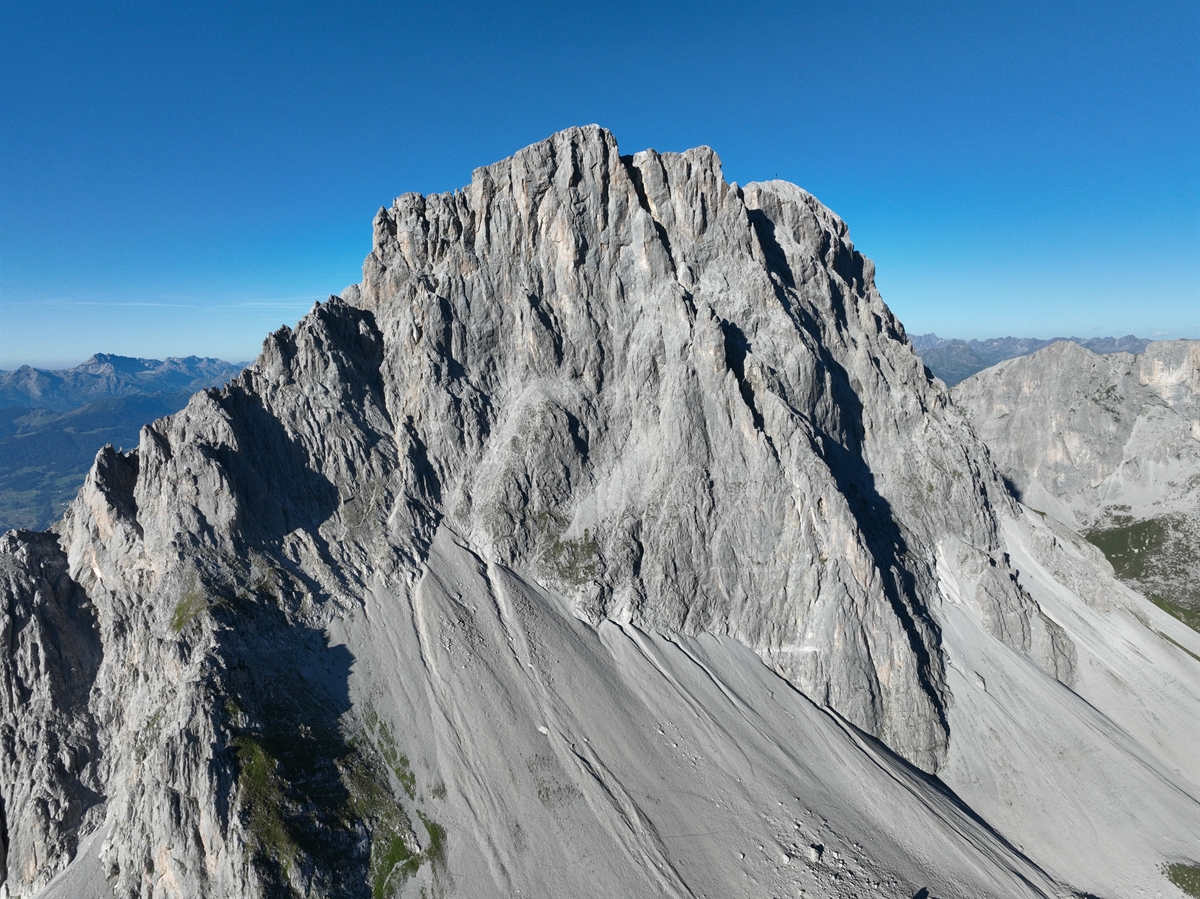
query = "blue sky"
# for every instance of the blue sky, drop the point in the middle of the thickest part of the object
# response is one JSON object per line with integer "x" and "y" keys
{"x": 182, "y": 178}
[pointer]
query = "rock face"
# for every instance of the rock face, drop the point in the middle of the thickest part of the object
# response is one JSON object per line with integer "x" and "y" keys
{"x": 685, "y": 405}
{"x": 955, "y": 360}
{"x": 1108, "y": 444}
{"x": 612, "y": 501}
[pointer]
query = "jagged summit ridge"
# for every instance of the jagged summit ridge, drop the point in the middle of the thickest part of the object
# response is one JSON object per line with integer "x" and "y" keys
{"x": 108, "y": 375}
{"x": 666, "y": 329}
{"x": 585, "y": 430}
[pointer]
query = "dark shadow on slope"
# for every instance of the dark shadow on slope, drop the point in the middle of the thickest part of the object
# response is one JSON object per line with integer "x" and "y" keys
{"x": 901, "y": 769}
{"x": 319, "y": 802}
{"x": 284, "y": 694}
{"x": 53, "y": 646}
{"x": 843, "y": 455}
{"x": 313, "y": 794}
{"x": 427, "y": 476}
{"x": 1012, "y": 487}
{"x": 776, "y": 258}
{"x": 736, "y": 348}
{"x": 635, "y": 175}
{"x": 277, "y": 487}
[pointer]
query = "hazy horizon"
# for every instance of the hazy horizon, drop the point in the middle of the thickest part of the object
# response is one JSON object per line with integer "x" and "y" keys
{"x": 182, "y": 179}
{"x": 62, "y": 365}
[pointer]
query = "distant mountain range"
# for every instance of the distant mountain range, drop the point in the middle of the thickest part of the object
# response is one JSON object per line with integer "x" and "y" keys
{"x": 104, "y": 376}
{"x": 955, "y": 360}
{"x": 53, "y": 422}
{"x": 607, "y": 539}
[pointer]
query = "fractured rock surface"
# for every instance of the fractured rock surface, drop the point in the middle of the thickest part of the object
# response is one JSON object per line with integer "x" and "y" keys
{"x": 1109, "y": 445}
{"x": 609, "y": 520}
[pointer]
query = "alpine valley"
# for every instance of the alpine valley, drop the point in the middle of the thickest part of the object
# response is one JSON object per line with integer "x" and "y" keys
{"x": 608, "y": 539}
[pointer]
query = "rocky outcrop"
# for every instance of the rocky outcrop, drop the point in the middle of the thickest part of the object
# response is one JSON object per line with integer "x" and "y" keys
{"x": 50, "y": 759}
{"x": 52, "y": 423}
{"x": 685, "y": 404}
{"x": 676, "y": 404}
{"x": 955, "y": 360}
{"x": 1110, "y": 445}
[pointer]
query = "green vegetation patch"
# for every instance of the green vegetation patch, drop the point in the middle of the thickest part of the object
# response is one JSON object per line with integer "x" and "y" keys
{"x": 574, "y": 562}
{"x": 1158, "y": 557}
{"x": 397, "y": 861}
{"x": 148, "y": 736}
{"x": 1186, "y": 877}
{"x": 313, "y": 784}
{"x": 191, "y": 604}
{"x": 395, "y": 855}
{"x": 380, "y": 732}
{"x": 1109, "y": 400}
{"x": 1130, "y": 547}
{"x": 263, "y": 802}
{"x": 1190, "y": 617}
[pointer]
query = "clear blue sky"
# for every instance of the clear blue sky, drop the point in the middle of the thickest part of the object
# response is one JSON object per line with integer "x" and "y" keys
{"x": 180, "y": 178}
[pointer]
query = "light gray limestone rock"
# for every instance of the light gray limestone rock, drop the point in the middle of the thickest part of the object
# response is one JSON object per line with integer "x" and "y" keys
{"x": 1109, "y": 445}
{"x": 50, "y": 760}
{"x": 678, "y": 403}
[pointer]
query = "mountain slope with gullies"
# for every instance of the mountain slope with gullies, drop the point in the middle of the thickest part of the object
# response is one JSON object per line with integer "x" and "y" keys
{"x": 1110, "y": 446}
{"x": 607, "y": 539}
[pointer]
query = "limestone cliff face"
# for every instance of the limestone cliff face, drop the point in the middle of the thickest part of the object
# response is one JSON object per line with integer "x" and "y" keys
{"x": 1108, "y": 444}
{"x": 685, "y": 403}
{"x": 678, "y": 403}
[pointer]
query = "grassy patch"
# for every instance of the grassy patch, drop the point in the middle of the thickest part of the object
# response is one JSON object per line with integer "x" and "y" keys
{"x": 310, "y": 781}
{"x": 1129, "y": 547}
{"x": 145, "y": 739}
{"x": 1158, "y": 557}
{"x": 1189, "y": 617}
{"x": 262, "y": 801}
{"x": 395, "y": 853}
{"x": 1109, "y": 400}
{"x": 385, "y": 741}
{"x": 1186, "y": 877}
{"x": 1177, "y": 643}
{"x": 189, "y": 606}
{"x": 574, "y": 562}
{"x": 435, "y": 849}
{"x": 397, "y": 860}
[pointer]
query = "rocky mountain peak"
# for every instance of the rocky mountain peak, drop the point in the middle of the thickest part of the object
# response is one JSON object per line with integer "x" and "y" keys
{"x": 589, "y": 432}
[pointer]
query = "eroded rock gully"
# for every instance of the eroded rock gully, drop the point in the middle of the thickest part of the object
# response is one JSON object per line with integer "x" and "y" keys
{"x": 678, "y": 403}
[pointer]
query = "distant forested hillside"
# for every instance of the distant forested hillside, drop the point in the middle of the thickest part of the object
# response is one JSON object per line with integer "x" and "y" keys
{"x": 52, "y": 423}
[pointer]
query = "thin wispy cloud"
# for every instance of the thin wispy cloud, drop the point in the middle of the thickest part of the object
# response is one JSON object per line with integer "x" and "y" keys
{"x": 193, "y": 304}
{"x": 59, "y": 303}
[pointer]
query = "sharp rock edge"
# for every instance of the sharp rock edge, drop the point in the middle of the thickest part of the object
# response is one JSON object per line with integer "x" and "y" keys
{"x": 608, "y": 538}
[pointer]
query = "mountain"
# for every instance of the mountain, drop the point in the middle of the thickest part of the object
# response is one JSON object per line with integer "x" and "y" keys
{"x": 105, "y": 376}
{"x": 1110, "y": 446}
{"x": 956, "y": 360}
{"x": 608, "y": 539}
{"x": 52, "y": 423}
{"x": 45, "y": 456}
